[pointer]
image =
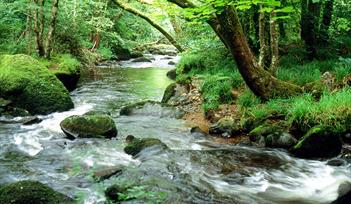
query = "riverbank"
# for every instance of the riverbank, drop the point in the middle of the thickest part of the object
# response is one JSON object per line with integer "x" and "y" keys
{"x": 216, "y": 100}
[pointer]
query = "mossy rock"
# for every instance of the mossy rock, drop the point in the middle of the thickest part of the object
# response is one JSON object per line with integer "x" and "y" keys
{"x": 319, "y": 142}
{"x": 31, "y": 192}
{"x": 264, "y": 130}
{"x": 169, "y": 92}
{"x": 172, "y": 74}
{"x": 136, "y": 145}
{"x": 226, "y": 126}
{"x": 128, "y": 109}
{"x": 31, "y": 86}
{"x": 89, "y": 126}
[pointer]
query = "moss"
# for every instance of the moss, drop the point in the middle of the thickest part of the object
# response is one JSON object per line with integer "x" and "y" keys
{"x": 169, "y": 93}
{"x": 265, "y": 129}
{"x": 137, "y": 145}
{"x": 88, "y": 126}
{"x": 29, "y": 85}
{"x": 66, "y": 69}
{"x": 319, "y": 141}
{"x": 31, "y": 192}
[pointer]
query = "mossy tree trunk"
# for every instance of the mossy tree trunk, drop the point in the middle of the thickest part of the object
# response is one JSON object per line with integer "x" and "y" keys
{"x": 151, "y": 22}
{"x": 52, "y": 27}
{"x": 39, "y": 20}
{"x": 261, "y": 82}
{"x": 274, "y": 35}
{"x": 262, "y": 38}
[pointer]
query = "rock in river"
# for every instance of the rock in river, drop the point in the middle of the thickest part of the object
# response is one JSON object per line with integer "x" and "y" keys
{"x": 319, "y": 142}
{"x": 31, "y": 192}
{"x": 31, "y": 86}
{"x": 136, "y": 145}
{"x": 89, "y": 126}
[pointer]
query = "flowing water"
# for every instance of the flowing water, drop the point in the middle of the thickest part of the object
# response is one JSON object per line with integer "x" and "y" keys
{"x": 194, "y": 170}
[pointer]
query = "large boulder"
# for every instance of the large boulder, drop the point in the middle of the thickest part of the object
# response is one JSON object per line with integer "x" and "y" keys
{"x": 31, "y": 86}
{"x": 89, "y": 126}
{"x": 136, "y": 145}
{"x": 319, "y": 142}
{"x": 31, "y": 192}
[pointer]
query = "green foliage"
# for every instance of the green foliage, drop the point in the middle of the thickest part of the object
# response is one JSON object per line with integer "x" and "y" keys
{"x": 218, "y": 72}
{"x": 105, "y": 53}
{"x": 216, "y": 90}
{"x": 333, "y": 109}
{"x": 247, "y": 99}
{"x": 204, "y": 63}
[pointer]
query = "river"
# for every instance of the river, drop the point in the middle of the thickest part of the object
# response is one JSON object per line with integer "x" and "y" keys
{"x": 194, "y": 170}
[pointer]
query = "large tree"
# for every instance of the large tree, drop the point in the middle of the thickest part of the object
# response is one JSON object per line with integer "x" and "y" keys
{"x": 226, "y": 23}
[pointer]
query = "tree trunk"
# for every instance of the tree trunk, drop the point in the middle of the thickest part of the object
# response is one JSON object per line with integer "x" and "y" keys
{"x": 281, "y": 22}
{"x": 39, "y": 26}
{"x": 96, "y": 41}
{"x": 309, "y": 27}
{"x": 151, "y": 22}
{"x": 274, "y": 44}
{"x": 52, "y": 27}
{"x": 262, "y": 38}
{"x": 260, "y": 81}
{"x": 326, "y": 20}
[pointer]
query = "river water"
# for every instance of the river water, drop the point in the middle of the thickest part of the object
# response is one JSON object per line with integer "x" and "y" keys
{"x": 194, "y": 170}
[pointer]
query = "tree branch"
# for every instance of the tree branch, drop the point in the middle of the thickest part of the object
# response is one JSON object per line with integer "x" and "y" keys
{"x": 151, "y": 22}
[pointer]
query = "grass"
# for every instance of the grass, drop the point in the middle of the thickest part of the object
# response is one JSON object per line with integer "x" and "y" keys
{"x": 304, "y": 112}
{"x": 218, "y": 72}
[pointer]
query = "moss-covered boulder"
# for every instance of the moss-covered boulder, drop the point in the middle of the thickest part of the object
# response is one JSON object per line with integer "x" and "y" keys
{"x": 226, "y": 126}
{"x": 136, "y": 145}
{"x": 31, "y": 86}
{"x": 67, "y": 71}
{"x": 31, "y": 192}
{"x": 169, "y": 92}
{"x": 89, "y": 126}
{"x": 319, "y": 142}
